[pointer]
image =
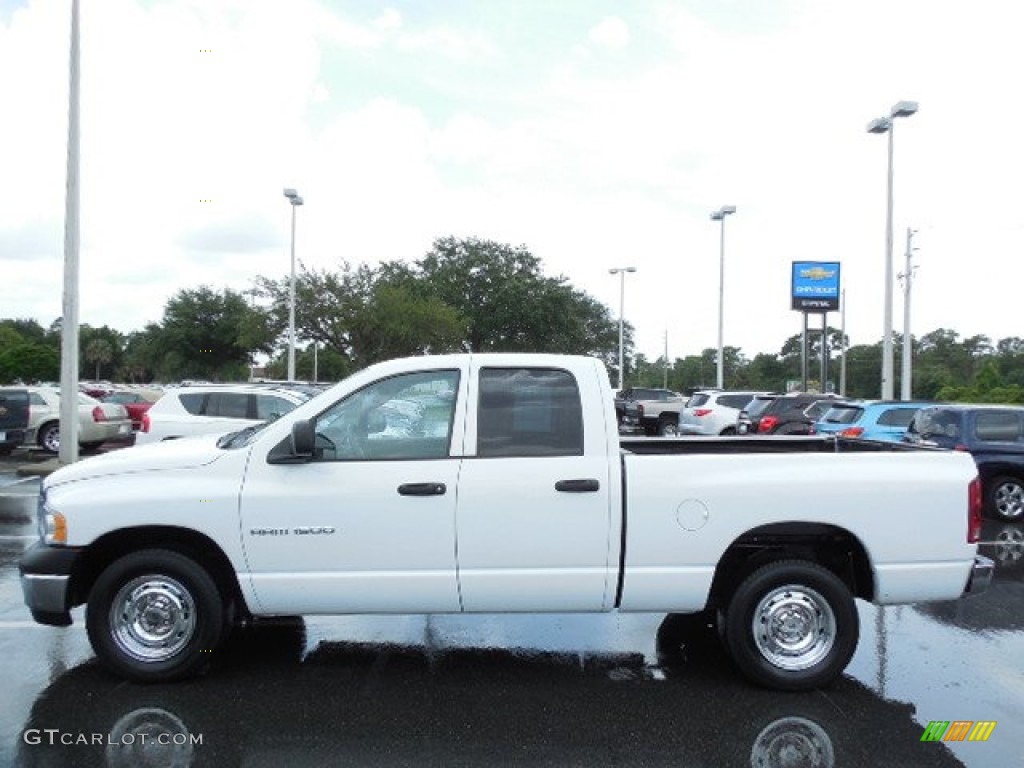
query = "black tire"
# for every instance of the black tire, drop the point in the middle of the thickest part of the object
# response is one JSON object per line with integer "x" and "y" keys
{"x": 152, "y": 582}
{"x": 48, "y": 436}
{"x": 90, "y": 446}
{"x": 1004, "y": 498}
{"x": 6, "y": 450}
{"x": 728, "y": 431}
{"x": 822, "y": 626}
{"x": 668, "y": 428}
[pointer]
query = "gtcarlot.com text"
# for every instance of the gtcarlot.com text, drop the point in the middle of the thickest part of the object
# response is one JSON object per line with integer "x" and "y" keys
{"x": 55, "y": 736}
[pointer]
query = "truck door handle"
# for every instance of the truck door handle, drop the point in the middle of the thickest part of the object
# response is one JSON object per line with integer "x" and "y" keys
{"x": 422, "y": 489}
{"x": 577, "y": 486}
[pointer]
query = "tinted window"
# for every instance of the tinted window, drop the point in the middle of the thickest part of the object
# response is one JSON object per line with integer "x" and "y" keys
{"x": 228, "y": 405}
{"x": 124, "y": 398}
{"x": 271, "y": 407}
{"x": 404, "y": 417}
{"x": 697, "y": 400}
{"x": 1001, "y": 426}
{"x": 897, "y": 417}
{"x": 758, "y": 405}
{"x": 845, "y": 414}
{"x": 34, "y": 398}
{"x": 529, "y": 412}
{"x": 192, "y": 402}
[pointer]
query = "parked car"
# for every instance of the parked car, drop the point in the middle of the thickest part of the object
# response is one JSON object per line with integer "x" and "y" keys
{"x": 750, "y": 415}
{"x": 993, "y": 435}
{"x": 97, "y": 422}
{"x": 135, "y": 402}
{"x": 793, "y": 414}
{"x": 13, "y": 418}
{"x": 212, "y": 409}
{"x": 659, "y": 416}
{"x": 634, "y": 394}
{"x": 870, "y": 420}
{"x": 713, "y": 412}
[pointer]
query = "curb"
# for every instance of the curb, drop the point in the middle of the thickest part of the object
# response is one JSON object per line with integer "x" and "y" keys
{"x": 39, "y": 469}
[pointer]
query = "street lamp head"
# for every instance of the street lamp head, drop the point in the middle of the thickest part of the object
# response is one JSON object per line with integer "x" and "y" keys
{"x": 290, "y": 193}
{"x": 631, "y": 269}
{"x": 903, "y": 109}
{"x": 879, "y": 125}
{"x": 617, "y": 270}
{"x": 296, "y": 200}
{"x": 722, "y": 212}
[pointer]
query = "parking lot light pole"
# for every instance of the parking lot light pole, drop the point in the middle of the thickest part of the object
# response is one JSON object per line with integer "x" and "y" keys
{"x": 621, "y": 272}
{"x": 886, "y": 125}
{"x": 296, "y": 201}
{"x": 719, "y": 216}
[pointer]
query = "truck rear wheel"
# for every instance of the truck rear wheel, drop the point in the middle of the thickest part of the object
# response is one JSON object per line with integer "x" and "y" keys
{"x": 155, "y": 616}
{"x": 1006, "y": 498}
{"x": 792, "y": 625}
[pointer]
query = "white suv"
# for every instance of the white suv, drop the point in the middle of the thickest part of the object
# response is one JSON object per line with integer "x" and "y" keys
{"x": 215, "y": 409}
{"x": 713, "y": 412}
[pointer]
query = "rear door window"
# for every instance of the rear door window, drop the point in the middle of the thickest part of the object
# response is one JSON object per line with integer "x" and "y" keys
{"x": 998, "y": 426}
{"x": 228, "y": 405}
{"x": 697, "y": 400}
{"x": 529, "y": 412}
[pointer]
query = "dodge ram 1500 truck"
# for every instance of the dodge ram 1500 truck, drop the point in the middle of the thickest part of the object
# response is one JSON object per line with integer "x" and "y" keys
{"x": 497, "y": 483}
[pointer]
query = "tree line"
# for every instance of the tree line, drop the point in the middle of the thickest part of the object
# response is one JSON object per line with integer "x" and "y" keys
{"x": 464, "y": 295}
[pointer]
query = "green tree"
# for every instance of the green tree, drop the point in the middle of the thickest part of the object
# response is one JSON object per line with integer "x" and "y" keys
{"x": 207, "y": 334}
{"x": 99, "y": 352}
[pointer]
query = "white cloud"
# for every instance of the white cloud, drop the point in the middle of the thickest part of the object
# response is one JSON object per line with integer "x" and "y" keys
{"x": 400, "y": 129}
{"x": 612, "y": 32}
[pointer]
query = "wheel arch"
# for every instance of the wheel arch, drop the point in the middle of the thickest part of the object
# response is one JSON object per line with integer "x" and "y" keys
{"x": 185, "y": 541}
{"x": 830, "y": 546}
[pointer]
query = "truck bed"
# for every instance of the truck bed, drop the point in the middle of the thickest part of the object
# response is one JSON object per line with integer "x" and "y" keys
{"x": 764, "y": 444}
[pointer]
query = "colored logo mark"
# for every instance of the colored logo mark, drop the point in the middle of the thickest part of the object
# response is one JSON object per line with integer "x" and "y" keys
{"x": 958, "y": 730}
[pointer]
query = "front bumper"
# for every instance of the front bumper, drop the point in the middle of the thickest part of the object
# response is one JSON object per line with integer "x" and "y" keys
{"x": 46, "y": 581}
{"x": 981, "y": 575}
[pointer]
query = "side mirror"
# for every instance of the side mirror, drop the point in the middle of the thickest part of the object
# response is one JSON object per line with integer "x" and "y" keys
{"x": 303, "y": 439}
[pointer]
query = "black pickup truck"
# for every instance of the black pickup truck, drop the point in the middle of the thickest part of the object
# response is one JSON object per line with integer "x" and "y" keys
{"x": 994, "y": 436}
{"x": 13, "y": 418}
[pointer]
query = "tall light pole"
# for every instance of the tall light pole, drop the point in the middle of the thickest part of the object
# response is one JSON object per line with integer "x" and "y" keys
{"x": 621, "y": 272}
{"x": 68, "y": 449}
{"x": 719, "y": 216}
{"x": 296, "y": 201}
{"x": 908, "y": 350}
{"x": 886, "y": 125}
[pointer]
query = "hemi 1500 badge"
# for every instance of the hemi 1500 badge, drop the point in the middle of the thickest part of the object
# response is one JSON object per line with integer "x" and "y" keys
{"x": 302, "y": 530}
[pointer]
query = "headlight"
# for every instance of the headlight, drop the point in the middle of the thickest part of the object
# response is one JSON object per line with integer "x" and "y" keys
{"x": 52, "y": 527}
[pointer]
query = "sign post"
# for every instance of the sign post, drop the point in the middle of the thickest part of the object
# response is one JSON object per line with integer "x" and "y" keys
{"x": 814, "y": 289}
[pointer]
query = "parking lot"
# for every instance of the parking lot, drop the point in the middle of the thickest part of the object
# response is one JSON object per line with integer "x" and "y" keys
{"x": 620, "y": 689}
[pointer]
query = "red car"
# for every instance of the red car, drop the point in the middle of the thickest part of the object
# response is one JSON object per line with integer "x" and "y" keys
{"x": 136, "y": 403}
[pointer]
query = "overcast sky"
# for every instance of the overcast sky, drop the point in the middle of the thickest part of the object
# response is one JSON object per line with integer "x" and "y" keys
{"x": 598, "y": 133}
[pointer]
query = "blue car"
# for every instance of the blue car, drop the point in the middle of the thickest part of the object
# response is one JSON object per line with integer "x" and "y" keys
{"x": 885, "y": 420}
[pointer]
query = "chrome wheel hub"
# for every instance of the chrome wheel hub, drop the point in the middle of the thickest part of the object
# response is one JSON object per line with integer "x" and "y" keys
{"x": 793, "y": 627}
{"x": 152, "y": 618}
{"x": 1010, "y": 500}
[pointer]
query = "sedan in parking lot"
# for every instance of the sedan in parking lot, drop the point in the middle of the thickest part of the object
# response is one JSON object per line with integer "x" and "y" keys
{"x": 136, "y": 403}
{"x": 97, "y": 422}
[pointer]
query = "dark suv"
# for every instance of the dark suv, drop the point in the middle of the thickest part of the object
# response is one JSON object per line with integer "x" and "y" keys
{"x": 13, "y": 418}
{"x": 793, "y": 414}
{"x": 993, "y": 435}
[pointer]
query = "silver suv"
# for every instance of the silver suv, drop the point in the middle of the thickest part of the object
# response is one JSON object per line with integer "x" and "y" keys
{"x": 712, "y": 412}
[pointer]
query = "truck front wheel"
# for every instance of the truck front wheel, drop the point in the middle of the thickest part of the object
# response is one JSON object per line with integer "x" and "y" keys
{"x": 792, "y": 625}
{"x": 155, "y": 616}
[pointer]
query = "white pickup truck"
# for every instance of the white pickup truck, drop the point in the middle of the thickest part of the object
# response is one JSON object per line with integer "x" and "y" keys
{"x": 497, "y": 483}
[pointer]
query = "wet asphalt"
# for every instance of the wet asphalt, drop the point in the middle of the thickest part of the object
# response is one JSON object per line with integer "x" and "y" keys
{"x": 529, "y": 690}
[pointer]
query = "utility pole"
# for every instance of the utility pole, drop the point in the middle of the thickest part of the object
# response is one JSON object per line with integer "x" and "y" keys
{"x": 664, "y": 381}
{"x": 908, "y": 350}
